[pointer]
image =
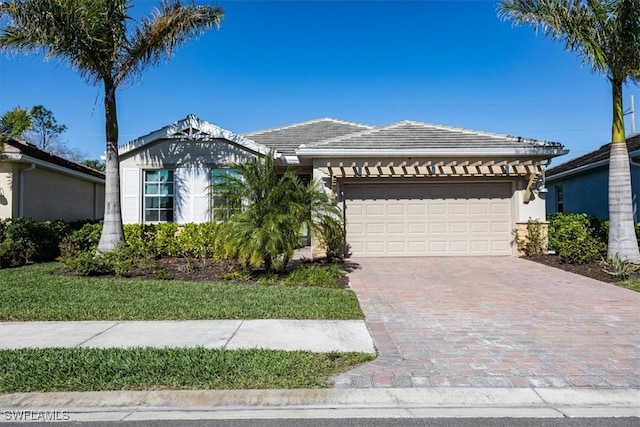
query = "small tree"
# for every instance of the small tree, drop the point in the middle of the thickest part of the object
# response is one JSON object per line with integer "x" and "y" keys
{"x": 45, "y": 130}
{"x": 15, "y": 123}
{"x": 267, "y": 214}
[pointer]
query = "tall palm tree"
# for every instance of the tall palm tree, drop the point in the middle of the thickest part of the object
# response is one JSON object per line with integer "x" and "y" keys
{"x": 606, "y": 33}
{"x": 266, "y": 214}
{"x": 100, "y": 40}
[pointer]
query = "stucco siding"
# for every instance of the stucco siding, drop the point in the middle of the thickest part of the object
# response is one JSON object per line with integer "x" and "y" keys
{"x": 50, "y": 196}
{"x": 191, "y": 162}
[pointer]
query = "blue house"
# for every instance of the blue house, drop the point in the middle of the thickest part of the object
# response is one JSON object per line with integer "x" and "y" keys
{"x": 581, "y": 185}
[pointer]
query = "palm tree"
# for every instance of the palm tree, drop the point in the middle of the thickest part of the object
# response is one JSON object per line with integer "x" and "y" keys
{"x": 100, "y": 40}
{"x": 606, "y": 33}
{"x": 266, "y": 214}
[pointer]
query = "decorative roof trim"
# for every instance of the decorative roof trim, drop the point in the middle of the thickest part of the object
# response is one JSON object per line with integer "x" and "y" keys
{"x": 193, "y": 128}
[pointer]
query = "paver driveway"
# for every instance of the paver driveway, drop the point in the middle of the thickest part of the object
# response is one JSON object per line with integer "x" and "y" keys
{"x": 493, "y": 322}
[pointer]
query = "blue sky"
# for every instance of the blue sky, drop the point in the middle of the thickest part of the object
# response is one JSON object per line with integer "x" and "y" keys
{"x": 375, "y": 62}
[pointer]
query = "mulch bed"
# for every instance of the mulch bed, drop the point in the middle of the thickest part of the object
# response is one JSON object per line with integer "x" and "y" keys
{"x": 201, "y": 270}
{"x": 593, "y": 270}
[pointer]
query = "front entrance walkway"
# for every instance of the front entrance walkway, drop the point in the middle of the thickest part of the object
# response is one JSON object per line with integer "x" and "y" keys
{"x": 493, "y": 322}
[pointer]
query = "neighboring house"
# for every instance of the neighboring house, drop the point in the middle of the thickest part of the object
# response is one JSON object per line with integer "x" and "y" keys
{"x": 407, "y": 189}
{"x": 35, "y": 183}
{"x": 581, "y": 185}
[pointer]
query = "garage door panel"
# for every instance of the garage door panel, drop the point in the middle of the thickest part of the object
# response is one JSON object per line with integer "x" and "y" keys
{"x": 397, "y": 247}
{"x": 437, "y": 209}
{"x": 459, "y": 246}
{"x": 416, "y": 210}
{"x": 375, "y": 228}
{"x": 396, "y": 228}
{"x": 429, "y": 219}
{"x": 458, "y": 227}
{"x": 396, "y": 210}
{"x": 458, "y": 209}
{"x": 416, "y": 227}
{"x": 374, "y": 209}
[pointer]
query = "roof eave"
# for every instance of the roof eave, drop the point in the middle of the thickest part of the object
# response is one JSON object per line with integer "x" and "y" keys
{"x": 546, "y": 152}
{"x": 23, "y": 158}
{"x": 584, "y": 168}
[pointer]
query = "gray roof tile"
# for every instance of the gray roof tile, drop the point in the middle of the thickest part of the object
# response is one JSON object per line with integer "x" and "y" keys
{"x": 287, "y": 139}
{"x": 418, "y": 135}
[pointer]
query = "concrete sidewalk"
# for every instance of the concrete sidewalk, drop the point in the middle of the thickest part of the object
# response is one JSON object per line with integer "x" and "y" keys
{"x": 439, "y": 402}
{"x": 309, "y": 335}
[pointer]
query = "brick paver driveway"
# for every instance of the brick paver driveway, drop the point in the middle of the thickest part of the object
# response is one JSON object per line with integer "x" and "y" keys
{"x": 493, "y": 322}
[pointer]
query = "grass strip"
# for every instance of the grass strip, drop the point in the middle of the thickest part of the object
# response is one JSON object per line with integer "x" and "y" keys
{"x": 632, "y": 284}
{"x": 74, "y": 369}
{"x": 33, "y": 293}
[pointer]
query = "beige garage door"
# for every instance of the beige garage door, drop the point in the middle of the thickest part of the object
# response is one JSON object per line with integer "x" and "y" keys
{"x": 428, "y": 219}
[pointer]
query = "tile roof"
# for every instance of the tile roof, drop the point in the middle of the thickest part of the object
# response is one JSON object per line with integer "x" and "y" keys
{"x": 287, "y": 139}
{"x": 22, "y": 147}
{"x": 601, "y": 154}
{"x": 418, "y": 135}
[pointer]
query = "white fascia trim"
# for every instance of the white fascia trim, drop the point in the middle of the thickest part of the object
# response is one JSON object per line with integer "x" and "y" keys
{"x": 589, "y": 167}
{"x": 542, "y": 152}
{"x": 211, "y": 132}
{"x": 21, "y": 158}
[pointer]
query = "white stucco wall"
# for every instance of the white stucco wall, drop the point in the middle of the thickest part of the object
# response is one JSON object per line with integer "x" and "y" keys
{"x": 191, "y": 162}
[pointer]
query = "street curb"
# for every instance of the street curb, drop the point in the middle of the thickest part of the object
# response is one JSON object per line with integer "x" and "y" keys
{"x": 324, "y": 403}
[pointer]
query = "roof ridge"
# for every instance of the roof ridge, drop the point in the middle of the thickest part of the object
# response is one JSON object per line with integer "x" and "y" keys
{"x": 307, "y": 122}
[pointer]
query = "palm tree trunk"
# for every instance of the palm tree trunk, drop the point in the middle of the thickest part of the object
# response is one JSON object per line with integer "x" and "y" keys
{"x": 622, "y": 236}
{"x": 112, "y": 230}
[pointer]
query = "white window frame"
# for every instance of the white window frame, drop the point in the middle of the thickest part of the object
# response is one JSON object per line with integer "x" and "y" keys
{"x": 148, "y": 196}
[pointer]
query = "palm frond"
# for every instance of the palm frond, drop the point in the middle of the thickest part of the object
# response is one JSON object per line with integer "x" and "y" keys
{"x": 157, "y": 37}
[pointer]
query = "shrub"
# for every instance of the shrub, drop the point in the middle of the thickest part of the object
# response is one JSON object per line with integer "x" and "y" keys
{"x": 572, "y": 237}
{"x": 619, "y": 268}
{"x": 121, "y": 261}
{"x": 24, "y": 240}
{"x": 534, "y": 242}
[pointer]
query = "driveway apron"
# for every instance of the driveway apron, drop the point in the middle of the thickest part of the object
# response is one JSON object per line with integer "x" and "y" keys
{"x": 493, "y": 322}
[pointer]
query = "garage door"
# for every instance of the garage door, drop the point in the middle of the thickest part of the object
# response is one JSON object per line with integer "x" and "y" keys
{"x": 384, "y": 220}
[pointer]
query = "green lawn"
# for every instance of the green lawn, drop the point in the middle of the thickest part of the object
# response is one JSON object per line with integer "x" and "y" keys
{"x": 633, "y": 284}
{"x": 33, "y": 293}
{"x": 42, "y": 370}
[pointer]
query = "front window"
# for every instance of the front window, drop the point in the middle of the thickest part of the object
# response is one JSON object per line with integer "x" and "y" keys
{"x": 224, "y": 202}
{"x": 158, "y": 195}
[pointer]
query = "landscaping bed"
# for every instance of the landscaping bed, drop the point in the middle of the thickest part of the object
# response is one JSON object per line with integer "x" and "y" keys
{"x": 593, "y": 269}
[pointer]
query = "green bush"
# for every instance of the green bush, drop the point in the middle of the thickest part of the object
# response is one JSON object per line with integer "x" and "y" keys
{"x": 24, "y": 240}
{"x": 170, "y": 240}
{"x": 576, "y": 238}
{"x": 122, "y": 261}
